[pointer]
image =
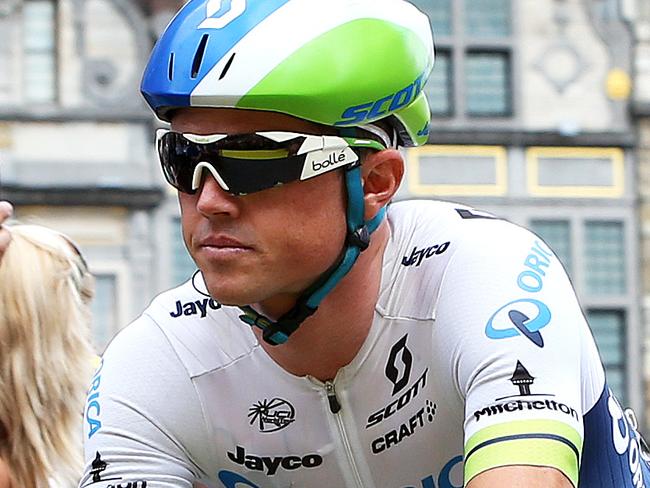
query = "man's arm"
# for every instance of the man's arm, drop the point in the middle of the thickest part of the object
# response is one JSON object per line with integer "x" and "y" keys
{"x": 520, "y": 477}
{"x": 520, "y": 358}
{"x": 143, "y": 419}
{"x": 6, "y": 211}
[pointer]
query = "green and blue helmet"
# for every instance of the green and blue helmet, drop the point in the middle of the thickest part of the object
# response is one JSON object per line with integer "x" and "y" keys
{"x": 346, "y": 64}
{"x": 340, "y": 63}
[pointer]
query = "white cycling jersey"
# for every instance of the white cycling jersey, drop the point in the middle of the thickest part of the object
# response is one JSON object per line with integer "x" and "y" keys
{"x": 478, "y": 356}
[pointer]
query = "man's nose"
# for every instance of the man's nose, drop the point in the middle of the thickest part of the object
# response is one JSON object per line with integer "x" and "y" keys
{"x": 214, "y": 200}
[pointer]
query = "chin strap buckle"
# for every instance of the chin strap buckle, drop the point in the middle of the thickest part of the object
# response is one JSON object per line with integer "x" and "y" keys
{"x": 277, "y": 332}
{"x": 359, "y": 238}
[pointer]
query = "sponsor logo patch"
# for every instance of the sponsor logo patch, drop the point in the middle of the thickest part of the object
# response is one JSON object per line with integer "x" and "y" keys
{"x": 525, "y": 316}
{"x": 451, "y": 476}
{"x": 93, "y": 407}
{"x": 220, "y": 13}
{"x": 525, "y": 400}
{"x": 374, "y": 109}
{"x": 270, "y": 465}
{"x": 196, "y": 307}
{"x": 318, "y": 162}
{"x": 272, "y": 415}
{"x": 425, "y": 415}
{"x": 418, "y": 255}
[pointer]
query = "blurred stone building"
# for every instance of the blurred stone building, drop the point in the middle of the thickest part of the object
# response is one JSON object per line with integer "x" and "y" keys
{"x": 541, "y": 114}
{"x": 532, "y": 120}
{"x": 76, "y": 146}
{"x": 641, "y": 113}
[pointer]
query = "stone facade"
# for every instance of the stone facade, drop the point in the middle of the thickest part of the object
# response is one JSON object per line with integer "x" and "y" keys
{"x": 82, "y": 161}
{"x": 642, "y": 113}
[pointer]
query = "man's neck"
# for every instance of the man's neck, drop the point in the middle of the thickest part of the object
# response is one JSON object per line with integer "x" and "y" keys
{"x": 332, "y": 337}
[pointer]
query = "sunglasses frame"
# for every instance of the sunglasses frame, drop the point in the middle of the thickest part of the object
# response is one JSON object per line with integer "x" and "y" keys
{"x": 318, "y": 154}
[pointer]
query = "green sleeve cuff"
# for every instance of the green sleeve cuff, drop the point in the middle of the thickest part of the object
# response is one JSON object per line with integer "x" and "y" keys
{"x": 545, "y": 443}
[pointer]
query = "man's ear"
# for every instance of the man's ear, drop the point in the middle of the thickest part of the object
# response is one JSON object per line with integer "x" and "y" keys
{"x": 382, "y": 174}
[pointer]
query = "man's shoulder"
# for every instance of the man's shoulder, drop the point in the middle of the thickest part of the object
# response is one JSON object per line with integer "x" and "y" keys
{"x": 433, "y": 242}
{"x": 459, "y": 225}
{"x": 202, "y": 333}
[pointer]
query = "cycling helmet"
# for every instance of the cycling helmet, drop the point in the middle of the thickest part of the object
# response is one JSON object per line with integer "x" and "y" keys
{"x": 334, "y": 62}
{"x": 340, "y": 63}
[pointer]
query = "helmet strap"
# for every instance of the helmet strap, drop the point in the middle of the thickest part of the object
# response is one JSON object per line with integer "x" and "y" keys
{"x": 357, "y": 240}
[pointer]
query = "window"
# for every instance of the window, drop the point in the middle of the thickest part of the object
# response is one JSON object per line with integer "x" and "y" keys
{"x": 183, "y": 266}
{"x": 609, "y": 10}
{"x": 608, "y": 327}
{"x": 472, "y": 73}
{"x": 557, "y": 234}
{"x": 39, "y": 61}
{"x": 486, "y": 83}
{"x": 439, "y": 87}
{"x": 440, "y": 15}
{"x": 436, "y": 170}
{"x": 104, "y": 310}
{"x": 488, "y": 18}
{"x": 576, "y": 172}
{"x": 604, "y": 250}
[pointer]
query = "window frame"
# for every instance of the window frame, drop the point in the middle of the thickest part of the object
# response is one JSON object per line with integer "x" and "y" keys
{"x": 458, "y": 44}
{"x": 120, "y": 270}
{"x": 56, "y": 61}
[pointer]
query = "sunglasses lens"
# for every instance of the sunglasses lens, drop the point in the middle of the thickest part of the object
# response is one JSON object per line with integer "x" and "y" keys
{"x": 178, "y": 158}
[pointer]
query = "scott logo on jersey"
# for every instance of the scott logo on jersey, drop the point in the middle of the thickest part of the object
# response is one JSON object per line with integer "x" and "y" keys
{"x": 398, "y": 371}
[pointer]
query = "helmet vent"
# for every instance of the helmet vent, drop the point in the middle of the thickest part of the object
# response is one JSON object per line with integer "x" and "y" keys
{"x": 227, "y": 67}
{"x": 170, "y": 72}
{"x": 198, "y": 57}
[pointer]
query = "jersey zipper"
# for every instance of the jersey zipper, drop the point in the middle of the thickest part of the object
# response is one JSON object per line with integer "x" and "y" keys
{"x": 336, "y": 409}
{"x": 335, "y": 406}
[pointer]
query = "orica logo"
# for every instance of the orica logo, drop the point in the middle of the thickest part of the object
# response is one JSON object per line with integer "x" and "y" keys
{"x": 451, "y": 476}
{"x": 528, "y": 316}
{"x": 220, "y": 13}
{"x": 525, "y": 316}
{"x": 234, "y": 480}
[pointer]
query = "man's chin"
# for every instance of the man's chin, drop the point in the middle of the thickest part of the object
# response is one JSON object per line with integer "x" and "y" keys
{"x": 230, "y": 298}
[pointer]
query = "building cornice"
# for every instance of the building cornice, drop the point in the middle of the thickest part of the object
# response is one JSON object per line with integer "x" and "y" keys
{"x": 134, "y": 198}
{"x": 469, "y": 136}
{"x": 86, "y": 114}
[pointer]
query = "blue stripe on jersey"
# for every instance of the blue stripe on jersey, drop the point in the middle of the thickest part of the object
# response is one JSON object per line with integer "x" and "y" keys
{"x": 611, "y": 456}
{"x": 183, "y": 37}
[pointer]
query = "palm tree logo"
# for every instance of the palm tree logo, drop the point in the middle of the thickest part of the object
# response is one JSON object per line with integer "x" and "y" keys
{"x": 272, "y": 415}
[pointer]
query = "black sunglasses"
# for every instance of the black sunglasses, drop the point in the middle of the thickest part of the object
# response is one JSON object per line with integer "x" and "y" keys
{"x": 248, "y": 163}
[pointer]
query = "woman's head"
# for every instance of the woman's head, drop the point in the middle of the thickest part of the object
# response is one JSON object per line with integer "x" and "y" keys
{"x": 45, "y": 354}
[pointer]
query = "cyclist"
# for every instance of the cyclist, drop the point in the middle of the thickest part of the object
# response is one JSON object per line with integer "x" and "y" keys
{"x": 328, "y": 339}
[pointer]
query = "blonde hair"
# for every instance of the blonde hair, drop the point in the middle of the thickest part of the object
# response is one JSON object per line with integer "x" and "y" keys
{"x": 45, "y": 356}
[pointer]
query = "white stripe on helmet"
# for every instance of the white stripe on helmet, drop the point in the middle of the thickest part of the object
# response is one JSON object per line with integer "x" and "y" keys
{"x": 286, "y": 30}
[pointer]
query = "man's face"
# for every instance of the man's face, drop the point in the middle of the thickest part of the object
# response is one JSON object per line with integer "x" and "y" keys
{"x": 269, "y": 244}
